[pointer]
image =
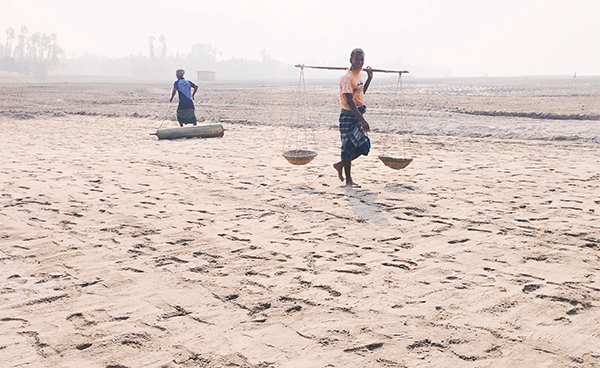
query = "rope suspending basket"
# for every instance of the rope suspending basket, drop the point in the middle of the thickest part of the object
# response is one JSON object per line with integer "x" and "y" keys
{"x": 300, "y": 152}
{"x": 397, "y": 163}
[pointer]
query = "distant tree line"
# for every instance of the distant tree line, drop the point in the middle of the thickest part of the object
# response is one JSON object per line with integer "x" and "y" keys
{"x": 39, "y": 53}
{"x": 26, "y": 53}
{"x": 158, "y": 64}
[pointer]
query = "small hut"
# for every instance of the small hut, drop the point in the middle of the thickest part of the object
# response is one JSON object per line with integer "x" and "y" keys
{"x": 204, "y": 75}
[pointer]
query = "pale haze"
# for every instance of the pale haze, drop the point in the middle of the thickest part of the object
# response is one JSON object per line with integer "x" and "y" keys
{"x": 462, "y": 38}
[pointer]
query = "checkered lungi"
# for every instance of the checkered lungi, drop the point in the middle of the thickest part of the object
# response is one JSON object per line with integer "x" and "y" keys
{"x": 355, "y": 140}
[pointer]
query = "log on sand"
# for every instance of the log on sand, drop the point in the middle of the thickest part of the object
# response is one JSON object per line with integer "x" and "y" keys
{"x": 198, "y": 131}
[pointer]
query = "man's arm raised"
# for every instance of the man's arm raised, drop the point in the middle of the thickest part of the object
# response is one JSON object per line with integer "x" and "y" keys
{"x": 369, "y": 77}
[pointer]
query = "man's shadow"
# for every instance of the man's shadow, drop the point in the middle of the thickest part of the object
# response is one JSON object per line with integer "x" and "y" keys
{"x": 365, "y": 206}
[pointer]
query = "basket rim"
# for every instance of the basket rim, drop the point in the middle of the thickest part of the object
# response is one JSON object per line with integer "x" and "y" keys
{"x": 396, "y": 159}
{"x": 306, "y": 153}
{"x": 302, "y": 160}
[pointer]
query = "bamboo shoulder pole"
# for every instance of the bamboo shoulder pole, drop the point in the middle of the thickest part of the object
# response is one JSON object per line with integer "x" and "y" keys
{"x": 342, "y": 68}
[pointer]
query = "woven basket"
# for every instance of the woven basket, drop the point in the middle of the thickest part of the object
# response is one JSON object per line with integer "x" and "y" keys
{"x": 299, "y": 157}
{"x": 395, "y": 163}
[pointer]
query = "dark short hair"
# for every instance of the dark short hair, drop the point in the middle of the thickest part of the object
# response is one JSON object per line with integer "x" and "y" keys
{"x": 180, "y": 70}
{"x": 356, "y": 51}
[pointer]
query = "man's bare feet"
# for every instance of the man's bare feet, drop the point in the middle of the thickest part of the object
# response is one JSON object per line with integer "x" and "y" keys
{"x": 352, "y": 184}
{"x": 339, "y": 168}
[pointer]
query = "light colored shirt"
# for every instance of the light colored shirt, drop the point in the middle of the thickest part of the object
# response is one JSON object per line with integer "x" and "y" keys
{"x": 351, "y": 82}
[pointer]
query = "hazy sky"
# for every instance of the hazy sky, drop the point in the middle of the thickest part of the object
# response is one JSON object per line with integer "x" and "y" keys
{"x": 466, "y": 37}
